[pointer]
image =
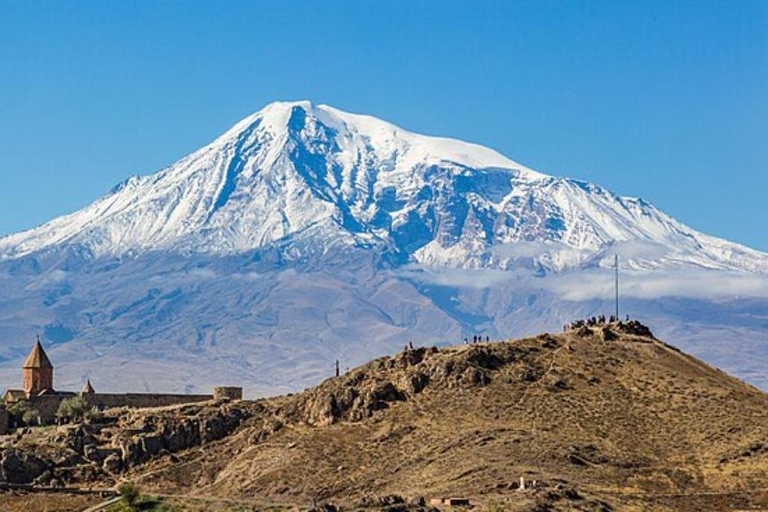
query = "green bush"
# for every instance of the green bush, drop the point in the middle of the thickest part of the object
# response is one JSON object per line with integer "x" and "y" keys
{"x": 22, "y": 413}
{"x": 132, "y": 501}
{"x": 31, "y": 417}
{"x": 76, "y": 409}
{"x": 129, "y": 494}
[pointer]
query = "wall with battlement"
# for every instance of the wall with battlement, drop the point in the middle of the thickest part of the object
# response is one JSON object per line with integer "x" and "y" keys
{"x": 227, "y": 393}
{"x": 109, "y": 400}
{"x": 48, "y": 405}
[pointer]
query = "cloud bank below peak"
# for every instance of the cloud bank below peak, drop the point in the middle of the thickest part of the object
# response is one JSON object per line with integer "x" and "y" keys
{"x": 598, "y": 282}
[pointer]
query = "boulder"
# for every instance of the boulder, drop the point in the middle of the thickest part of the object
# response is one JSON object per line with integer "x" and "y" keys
{"x": 418, "y": 501}
{"x": 151, "y": 444}
{"x": 131, "y": 452}
{"x": 92, "y": 453}
{"x": 113, "y": 463}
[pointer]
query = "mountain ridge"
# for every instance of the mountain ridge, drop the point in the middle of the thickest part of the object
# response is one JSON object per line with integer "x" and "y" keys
{"x": 294, "y": 166}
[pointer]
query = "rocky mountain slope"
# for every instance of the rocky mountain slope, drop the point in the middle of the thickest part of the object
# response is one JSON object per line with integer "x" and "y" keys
{"x": 314, "y": 179}
{"x": 603, "y": 418}
{"x": 305, "y": 234}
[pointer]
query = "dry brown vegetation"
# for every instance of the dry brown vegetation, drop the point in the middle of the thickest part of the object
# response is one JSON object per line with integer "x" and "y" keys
{"x": 601, "y": 420}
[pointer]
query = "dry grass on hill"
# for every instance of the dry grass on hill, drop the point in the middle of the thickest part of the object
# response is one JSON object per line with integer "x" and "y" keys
{"x": 626, "y": 424}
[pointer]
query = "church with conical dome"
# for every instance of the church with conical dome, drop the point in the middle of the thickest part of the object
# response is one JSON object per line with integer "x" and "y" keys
{"x": 39, "y": 395}
{"x": 37, "y": 371}
{"x": 37, "y": 378}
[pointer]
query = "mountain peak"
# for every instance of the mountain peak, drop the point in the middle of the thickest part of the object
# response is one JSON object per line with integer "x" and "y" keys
{"x": 380, "y": 135}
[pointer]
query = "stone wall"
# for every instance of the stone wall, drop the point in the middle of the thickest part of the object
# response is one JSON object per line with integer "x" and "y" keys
{"x": 48, "y": 405}
{"x": 227, "y": 393}
{"x": 109, "y": 400}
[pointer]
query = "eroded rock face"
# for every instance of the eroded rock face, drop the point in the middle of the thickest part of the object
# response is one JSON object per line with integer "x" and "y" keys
{"x": 399, "y": 378}
{"x": 131, "y": 437}
{"x": 635, "y": 328}
{"x": 171, "y": 434}
{"x": 113, "y": 463}
{"x": 122, "y": 440}
{"x": 613, "y": 330}
{"x": 18, "y": 467}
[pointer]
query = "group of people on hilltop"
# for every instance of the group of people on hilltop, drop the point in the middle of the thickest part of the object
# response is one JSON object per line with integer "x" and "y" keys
{"x": 592, "y": 322}
{"x": 476, "y": 339}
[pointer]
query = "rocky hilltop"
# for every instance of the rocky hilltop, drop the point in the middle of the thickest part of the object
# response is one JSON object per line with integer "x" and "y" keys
{"x": 601, "y": 418}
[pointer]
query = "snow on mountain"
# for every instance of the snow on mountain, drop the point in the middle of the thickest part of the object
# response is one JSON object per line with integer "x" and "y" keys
{"x": 316, "y": 178}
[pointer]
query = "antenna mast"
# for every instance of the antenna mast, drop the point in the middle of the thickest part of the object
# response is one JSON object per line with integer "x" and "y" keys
{"x": 616, "y": 269}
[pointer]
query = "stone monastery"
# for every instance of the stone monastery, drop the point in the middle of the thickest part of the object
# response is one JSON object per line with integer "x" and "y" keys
{"x": 38, "y": 394}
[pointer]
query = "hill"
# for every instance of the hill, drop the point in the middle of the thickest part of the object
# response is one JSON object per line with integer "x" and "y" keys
{"x": 602, "y": 418}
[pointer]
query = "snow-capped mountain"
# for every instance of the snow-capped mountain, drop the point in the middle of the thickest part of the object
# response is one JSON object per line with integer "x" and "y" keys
{"x": 313, "y": 178}
{"x": 305, "y": 234}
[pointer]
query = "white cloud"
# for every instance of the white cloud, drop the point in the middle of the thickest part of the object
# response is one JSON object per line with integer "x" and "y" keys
{"x": 460, "y": 278}
{"x": 599, "y": 283}
{"x": 54, "y": 276}
{"x": 708, "y": 284}
{"x": 196, "y": 274}
{"x": 526, "y": 249}
{"x": 248, "y": 276}
{"x": 49, "y": 278}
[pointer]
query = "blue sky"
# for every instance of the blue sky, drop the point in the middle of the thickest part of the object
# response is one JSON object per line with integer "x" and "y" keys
{"x": 664, "y": 100}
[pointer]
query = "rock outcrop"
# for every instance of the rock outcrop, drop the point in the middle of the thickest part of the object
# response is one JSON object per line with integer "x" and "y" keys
{"x": 120, "y": 440}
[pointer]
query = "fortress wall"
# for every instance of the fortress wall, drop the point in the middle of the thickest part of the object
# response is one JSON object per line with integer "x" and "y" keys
{"x": 228, "y": 393}
{"x": 48, "y": 405}
{"x": 108, "y": 400}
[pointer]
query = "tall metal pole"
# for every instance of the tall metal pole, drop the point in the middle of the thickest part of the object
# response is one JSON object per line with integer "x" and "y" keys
{"x": 616, "y": 268}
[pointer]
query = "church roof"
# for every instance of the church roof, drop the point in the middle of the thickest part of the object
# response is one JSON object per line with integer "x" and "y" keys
{"x": 37, "y": 358}
{"x": 87, "y": 389}
{"x": 14, "y": 395}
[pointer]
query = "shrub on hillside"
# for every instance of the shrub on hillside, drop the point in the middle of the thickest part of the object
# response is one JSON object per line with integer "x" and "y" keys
{"x": 76, "y": 409}
{"x": 133, "y": 501}
{"x": 129, "y": 494}
{"x": 22, "y": 414}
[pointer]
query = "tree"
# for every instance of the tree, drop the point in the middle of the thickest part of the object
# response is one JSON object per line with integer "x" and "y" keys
{"x": 23, "y": 414}
{"x": 31, "y": 417}
{"x": 129, "y": 493}
{"x": 76, "y": 409}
